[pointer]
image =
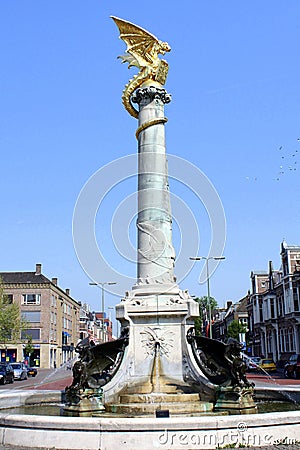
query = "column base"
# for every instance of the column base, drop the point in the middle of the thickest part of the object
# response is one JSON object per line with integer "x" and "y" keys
{"x": 235, "y": 400}
{"x": 158, "y": 362}
{"x": 84, "y": 403}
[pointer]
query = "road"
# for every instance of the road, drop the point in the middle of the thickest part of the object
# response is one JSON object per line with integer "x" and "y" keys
{"x": 47, "y": 379}
{"x": 58, "y": 379}
{"x": 275, "y": 379}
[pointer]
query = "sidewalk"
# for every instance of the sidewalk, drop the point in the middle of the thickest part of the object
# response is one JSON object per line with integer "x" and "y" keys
{"x": 53, "y": 379}
{"x": 58, "y": 385}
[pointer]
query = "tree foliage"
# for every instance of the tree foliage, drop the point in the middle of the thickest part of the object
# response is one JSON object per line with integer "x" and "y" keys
{"x": 235, "y": 328}
{"x": 204, "y": 306}
{"x": 11, "y": 321}
{"x": 29, "y": 348}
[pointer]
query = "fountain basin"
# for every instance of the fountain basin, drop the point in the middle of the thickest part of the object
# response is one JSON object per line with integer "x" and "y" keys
{"x": 274, "y": 393}
{"x": 105, "y": 433}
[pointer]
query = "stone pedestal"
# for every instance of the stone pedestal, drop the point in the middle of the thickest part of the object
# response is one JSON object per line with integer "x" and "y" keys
{"x": 86, "y": 402}
{"x": 235, "y": 400}
{"x": 158, "y": 370}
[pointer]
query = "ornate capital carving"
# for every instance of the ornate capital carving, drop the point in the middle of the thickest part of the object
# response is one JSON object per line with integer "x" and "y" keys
{"x": 151, "y": 93}
{"x": 157, "y": 337}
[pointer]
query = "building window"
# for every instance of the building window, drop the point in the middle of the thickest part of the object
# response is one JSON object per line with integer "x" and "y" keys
{"x": 35, "y": 333}
{"x": 269, "y": 342}
{"x": 32, "y": 316}
{"x": 31, "y": 299}
{"x": 64, "y": 338}
{"x": 291, "y": 339}
{"x": 281, "y": 341}
{"x": 261, "y": 316}
{"x": 272, "y": 308}
{"x": 9, "y": 298}
{"x": 287, "y": 342}
{"x": 296, "y": 299}
{"x": 279, "y": 307}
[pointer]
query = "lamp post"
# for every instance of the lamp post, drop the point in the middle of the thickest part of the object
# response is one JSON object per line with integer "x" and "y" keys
{"x": 102, "y": 284}
{"x": 207, "y": 258}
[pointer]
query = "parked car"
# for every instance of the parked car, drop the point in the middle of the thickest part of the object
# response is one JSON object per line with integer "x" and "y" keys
{"x": 268, "y": 365}
{"x": 292, "y": 367}
{"x": 31, "y": 371}
{"x": 253, "y": 363}
{"x": 20, "y": 372}
{"x": 6, "y": 373}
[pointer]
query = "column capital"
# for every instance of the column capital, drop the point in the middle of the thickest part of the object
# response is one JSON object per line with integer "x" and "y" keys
{"x": 150, "y": 93}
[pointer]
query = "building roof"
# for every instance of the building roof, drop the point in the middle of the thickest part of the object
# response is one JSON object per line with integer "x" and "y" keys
{"x": 259, "y": 272}
{"x": 241, "y": 306}
{"x": 285, "y": 246}
{"x": 32, "y": 278}
{"x": 23, "y": 277}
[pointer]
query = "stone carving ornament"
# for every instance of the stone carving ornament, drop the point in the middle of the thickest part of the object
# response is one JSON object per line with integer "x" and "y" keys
{"x": 157, "y": 338}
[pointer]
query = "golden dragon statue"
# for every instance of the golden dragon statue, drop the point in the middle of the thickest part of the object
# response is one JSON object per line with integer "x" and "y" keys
{"x": 142, "y": 51}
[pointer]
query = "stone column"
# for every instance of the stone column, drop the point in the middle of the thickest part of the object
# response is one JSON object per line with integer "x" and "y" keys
{"x": 156, "y": 253}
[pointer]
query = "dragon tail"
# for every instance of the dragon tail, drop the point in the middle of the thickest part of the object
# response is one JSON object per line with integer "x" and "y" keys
{"x": 129, "y": 89}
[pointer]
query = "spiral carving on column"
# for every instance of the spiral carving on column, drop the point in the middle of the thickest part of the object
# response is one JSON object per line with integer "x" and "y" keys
{"x": 151, "y": 93}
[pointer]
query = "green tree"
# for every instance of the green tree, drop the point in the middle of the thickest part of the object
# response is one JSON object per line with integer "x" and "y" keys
{"x": 204, "y": 306}
{"x": 11, "y": 321}
{"x": 29, "y": 348}
{"x": 235, "y": 328}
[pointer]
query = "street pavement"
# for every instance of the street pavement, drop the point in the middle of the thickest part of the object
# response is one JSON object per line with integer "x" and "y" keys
{"x": 276, "y": 379}
{"x": 46, "y": 379}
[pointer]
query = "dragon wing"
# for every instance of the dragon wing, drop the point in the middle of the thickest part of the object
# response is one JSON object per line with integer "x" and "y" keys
{"x": 140, "y": 43}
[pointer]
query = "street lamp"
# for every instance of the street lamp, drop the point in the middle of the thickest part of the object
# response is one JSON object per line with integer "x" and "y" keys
{"x": 207, "y": 258}
{"x": 102, "y": 284}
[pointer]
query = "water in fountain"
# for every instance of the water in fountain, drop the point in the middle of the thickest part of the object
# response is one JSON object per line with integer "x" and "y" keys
{"x": 273, "y": 380}
{"x": 53, "y": 373}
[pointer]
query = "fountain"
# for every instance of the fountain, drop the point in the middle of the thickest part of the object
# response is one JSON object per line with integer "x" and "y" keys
{"x": 159, "y": 368}
{"x": 158, "y": 385}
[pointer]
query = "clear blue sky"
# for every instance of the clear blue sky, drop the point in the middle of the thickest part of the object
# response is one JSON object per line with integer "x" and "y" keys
{"x": 235, "y": 114}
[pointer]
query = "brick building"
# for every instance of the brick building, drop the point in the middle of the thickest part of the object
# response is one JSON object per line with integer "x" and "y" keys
{"x": 90, "y": 326}
{"x": 225, "y": 316}
{"x": 107, "y": 326}
{"x": 52, "y": 315}
{"x": 274, "y": 307}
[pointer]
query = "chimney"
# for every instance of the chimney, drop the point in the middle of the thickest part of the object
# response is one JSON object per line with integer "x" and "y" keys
{"x": 38, "y": 269}
{"x": 54, "y": 281}
{"x": 68, "y": 291}
{"x": 271, "y": 278}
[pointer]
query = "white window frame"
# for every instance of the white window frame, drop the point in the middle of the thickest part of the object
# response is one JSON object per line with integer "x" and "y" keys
{"x": 25, "y": 300}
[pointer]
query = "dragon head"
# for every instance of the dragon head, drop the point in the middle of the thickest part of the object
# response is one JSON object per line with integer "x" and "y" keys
{"x": 164, "y": 47}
